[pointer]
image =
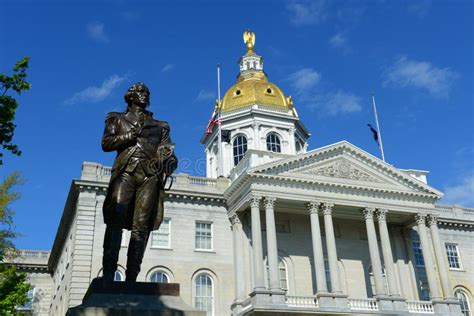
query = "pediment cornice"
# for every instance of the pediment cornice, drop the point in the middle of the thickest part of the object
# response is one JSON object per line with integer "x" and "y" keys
{"x": 342, "y": 167}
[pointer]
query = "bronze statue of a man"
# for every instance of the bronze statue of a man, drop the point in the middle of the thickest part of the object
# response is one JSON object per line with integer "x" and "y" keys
{"x": 134, "y": 200}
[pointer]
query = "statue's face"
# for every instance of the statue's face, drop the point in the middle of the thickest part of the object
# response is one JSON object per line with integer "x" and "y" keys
{"x": 141, "y": 97}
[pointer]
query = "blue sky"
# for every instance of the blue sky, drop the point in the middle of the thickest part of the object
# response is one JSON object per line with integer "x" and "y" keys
{"x": 416, "y": 56}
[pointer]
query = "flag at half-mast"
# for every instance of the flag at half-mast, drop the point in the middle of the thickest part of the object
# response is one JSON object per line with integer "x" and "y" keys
{"x": 214, "y": 120}
{"x": 375, "y": 134}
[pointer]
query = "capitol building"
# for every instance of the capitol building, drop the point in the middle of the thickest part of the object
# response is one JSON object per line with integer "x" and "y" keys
{"x": 276, "y": 228}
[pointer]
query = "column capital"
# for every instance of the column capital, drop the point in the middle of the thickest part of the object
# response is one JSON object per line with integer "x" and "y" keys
{"x": 382, "y": 214}
{"x": 327, "y": 208}
{"x": 313, "y": 207}
{"x": 269, "y": 202}
{"x": 432, "y": 220}
{"x": 420, "y": 219}
{"x": 255, "y": 201}
{"x": 368, "y": 212}
{"x": 235, "y": 220}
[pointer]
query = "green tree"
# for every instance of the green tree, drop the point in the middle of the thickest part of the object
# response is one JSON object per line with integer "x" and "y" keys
{"x": 8, "y": 104}
{"x": 13, "y": 285}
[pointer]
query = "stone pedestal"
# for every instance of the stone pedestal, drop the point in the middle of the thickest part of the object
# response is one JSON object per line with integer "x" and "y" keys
{"x": 333, "y": 301}
{"x": 392, "y": 303}
{"x": 137, "y": 299}
{"x": 447, "y": 307}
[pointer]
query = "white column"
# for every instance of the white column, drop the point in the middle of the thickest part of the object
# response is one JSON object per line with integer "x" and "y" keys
{"x": 256, "y": 136}
{"x": 272, "y": 248}
{"x": 427, "y": 256}
{"x": 387, "y": 253}
{"x": 321, "y": 285}
{"x": 374, "y": 251}
{"x": 258, "y": 280}
{"x": 239, "y": 265}
{"x": 331, "y": 247}
{"x": 440, "y": 254}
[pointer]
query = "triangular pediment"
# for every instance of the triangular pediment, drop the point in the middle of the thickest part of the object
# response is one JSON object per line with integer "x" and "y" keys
{"x": 347, "y": 165}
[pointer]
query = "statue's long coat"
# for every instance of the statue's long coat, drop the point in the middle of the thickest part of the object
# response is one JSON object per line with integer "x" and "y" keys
{"x": 118, "y": 137}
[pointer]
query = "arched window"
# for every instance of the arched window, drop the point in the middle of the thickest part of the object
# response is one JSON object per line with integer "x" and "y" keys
{"x": 465, "y": 306}
{"x": 273, "y": 143}
{"x": 283, "y": 275}
{"x": 204, "y": 293}
{"x": 118, "y": 276}
{"x": 159, "y": 277}
{"x": 240, "y": 147}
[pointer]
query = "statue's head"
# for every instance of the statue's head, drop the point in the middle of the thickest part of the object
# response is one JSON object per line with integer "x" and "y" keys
{"x": 138, "y": 94}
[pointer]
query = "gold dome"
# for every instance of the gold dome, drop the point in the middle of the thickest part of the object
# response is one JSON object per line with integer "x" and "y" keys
{"x": 251, "y": 91}
{"x": 252, "y": 85}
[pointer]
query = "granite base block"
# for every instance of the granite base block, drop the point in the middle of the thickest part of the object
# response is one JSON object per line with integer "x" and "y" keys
{"x": 127, "y": 299}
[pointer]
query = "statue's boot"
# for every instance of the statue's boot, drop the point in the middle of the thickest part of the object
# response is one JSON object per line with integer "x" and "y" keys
{"x": 112, "y": 242}
{"x": 136, "y": 250}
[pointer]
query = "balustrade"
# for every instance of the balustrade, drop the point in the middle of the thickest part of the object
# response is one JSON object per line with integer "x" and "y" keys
{"x": 363, "y": 304}
{"x": 302, "y": 301}
{"x": 420, "y": 307}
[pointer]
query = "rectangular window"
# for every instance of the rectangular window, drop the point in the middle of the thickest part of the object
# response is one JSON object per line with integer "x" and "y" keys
{"x": 203, "y": 236}
{"x": 452, "y": 251}
{"x": 161, "y": 238}
{"x": 420, "y": 262}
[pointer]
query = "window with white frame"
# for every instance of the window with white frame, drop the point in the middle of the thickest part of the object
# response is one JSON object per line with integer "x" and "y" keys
{"x": 204, "y": 293}
{"x": 203, "y": 236}
{"x": 161, "y": 238}
{"x": 239, "y": 147}
{"x": 273, "y": 143}
{"x": 452, "y": 252}
{"x": 463, "y": 299}
{"x": 159, "y": 277}
{"x": 283, "y": 275}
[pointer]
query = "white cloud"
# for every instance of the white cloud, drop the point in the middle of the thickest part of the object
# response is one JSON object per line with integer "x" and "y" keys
{"x": 334, "y": 103}
{"x": 304, "y": 80}
{"x": 422, "y": 75}
{"x": 167, "y": 67}
{"x": 462, "y": 193}
{"x": 307, "y": 12}
{"x": 95, "y": 94}
{"x": 204, "y": 96}
{"x": 96, "y": 32}
{"x": 338, "y": 40}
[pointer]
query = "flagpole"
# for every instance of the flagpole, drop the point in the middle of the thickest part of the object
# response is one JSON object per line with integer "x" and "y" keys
{"x": 378, "y": 127}
{"x": 219, "y": 128}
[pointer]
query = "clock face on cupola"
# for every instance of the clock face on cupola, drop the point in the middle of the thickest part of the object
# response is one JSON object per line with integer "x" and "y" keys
{"x": 254, "y": 115}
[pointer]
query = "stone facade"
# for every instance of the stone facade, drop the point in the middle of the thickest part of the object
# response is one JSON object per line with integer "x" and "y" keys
{"x": 284, "y": 271}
